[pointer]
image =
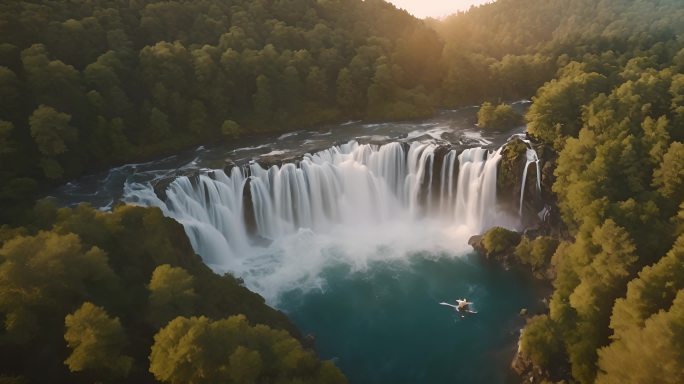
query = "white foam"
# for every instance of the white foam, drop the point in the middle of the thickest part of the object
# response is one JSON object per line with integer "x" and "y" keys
{"x": 286, "y": 135}
{"x": 275, "y": 152}
{"x": 435, "y": 133}
{"x": 252, "y": 148}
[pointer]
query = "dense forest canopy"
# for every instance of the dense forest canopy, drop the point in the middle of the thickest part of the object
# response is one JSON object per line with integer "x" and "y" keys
{"x": 614, "y": 113}
{"x": 82, "y": 294}
{"x": 619, "y": 183}
{"x": 89, "y": 84}
{"x": 92, "y": 83}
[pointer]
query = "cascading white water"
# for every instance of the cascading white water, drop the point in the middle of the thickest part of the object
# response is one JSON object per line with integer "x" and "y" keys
{"x": 476, "y": 188}
{"x": 420, "y": 158}
{"x": 530, "y": 157}
{"x": 371, "y": 198}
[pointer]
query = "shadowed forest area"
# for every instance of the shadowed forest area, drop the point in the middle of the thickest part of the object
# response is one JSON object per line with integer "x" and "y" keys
{"x": 87, "y": 296}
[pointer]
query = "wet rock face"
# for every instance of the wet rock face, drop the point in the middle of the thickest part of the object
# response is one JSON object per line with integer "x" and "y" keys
{"x": 510, "y": 179}
{"x": 510, "y": 172}
{"x": 293, "y": 156}
{"x": 376, "y": 140}
{"x": 160, "y": 186}
{"x": 228, "y": 166}
{"x": 248, "y": 209}
{"x": 476, "y": 243}
{"x": 267, "y": 162}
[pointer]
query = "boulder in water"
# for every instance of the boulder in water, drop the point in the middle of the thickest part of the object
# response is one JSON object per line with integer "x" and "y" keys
{"x": 160, "y": 186}
{"x": 228, "y": 165}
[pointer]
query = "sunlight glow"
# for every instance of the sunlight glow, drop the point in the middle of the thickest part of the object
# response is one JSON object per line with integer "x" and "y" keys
{"x": 435, "y": 8}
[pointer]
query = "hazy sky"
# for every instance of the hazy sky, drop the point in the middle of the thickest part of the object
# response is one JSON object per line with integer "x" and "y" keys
{"x": 435, "y": 8}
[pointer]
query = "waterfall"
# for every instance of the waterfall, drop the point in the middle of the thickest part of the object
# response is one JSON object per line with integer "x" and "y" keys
{"x": 531, "y": 157}
{"x": 257, "y": 221}
{"x": 476, "y": 188}
{"x": 447, "y": 182}
{"x": 349, "y": 184}
{"x": 420, "y": 159}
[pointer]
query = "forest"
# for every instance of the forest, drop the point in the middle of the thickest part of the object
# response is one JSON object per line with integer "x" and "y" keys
{"x": 87, "y": 296}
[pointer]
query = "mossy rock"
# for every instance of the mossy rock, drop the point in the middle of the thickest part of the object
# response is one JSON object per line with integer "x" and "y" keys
{"x": 510, "y": 171}
{"x": 500, "y": 241}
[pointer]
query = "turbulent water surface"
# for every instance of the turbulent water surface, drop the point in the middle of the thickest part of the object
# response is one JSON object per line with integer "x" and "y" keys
{"x": 357, "y": 231}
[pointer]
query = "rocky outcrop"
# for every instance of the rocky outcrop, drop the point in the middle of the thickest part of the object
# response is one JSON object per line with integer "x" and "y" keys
{"x": 160, "y": 186}
{"x": 527, "y": 370}
{"x": 511, "y": 170}
{"x": 500, "y": 245}
{"x": 293, "y": 155}
{"x": 228, "y": 165}
{"x": 539, "y": 209}
{"x": 248, "y": 209}
{"x": 476, "y": 242}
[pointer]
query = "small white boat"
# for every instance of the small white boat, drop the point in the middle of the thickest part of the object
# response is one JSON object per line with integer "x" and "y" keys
{"x": 462, "y": 306}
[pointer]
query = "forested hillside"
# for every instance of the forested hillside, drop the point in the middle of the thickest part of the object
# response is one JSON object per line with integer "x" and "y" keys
{"x": 92, "y": 83}
{"x": 85, "y": 296}
{"x": 509, "y": 48}
{"x": 619, "y": 128}
{"x": 615, "y": 114}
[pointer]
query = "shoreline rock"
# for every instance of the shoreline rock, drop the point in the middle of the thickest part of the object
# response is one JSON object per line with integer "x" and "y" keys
{"x": 527, "y": 370}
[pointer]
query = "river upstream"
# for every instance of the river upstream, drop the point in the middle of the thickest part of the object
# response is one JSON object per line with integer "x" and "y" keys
{"x": 357, "y": 231}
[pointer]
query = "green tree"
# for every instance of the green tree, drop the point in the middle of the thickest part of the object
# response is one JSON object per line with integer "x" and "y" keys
{"x": 669, "y": 177}
{"x": 536, "y": 253}
{"x": 652, "y": 353}
{"x": 7, "y": 145}
{"x": 172, "y": 294}
{"x": 556, "y": 112}
{"x": 521, "y": 75}
{"x": 10, "y": 94}
{"x": 52, "y": 82}
{"x": 43, "y": 277}
{"x": 263, "y": 98}
{"x": 51, "y": 131}
{"x": 500, "y": 240}
{"x": 316, "y": 86}
{"x": 347, "y": 97}
{"x": 382, "y": 90}
{"x": 247, "y": 365}
{"x": 499, "y": 117}
{"x": 291, "y": 89}
{"x": 159, "y": 127}
{"x": 603, "y": 273}
{"x": 540, "y": 342}
{"x": 198, "y": 122}
{"x": 230, "y": 129}
{"x": 97, "y": 342}
{"x": 106, "y": 76}
{"x": 652, "y": 291}
{"x": 199, "y": 350}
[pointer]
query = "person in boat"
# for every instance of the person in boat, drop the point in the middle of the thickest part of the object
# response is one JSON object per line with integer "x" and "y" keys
{"x": 463, "y": 305}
